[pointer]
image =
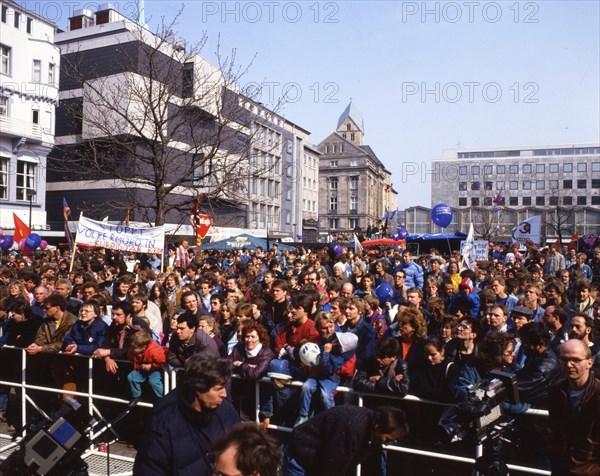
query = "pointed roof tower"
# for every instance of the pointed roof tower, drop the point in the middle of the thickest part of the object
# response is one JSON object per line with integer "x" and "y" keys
{"x": 351, "y": 125}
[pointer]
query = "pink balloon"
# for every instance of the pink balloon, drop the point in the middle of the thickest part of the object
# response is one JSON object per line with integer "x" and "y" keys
{"x": 23, "y": 248}
{"x": 43, "y": 245}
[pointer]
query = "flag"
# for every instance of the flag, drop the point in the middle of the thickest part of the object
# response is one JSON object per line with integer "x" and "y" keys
{"x": 385, "y": 215}
{"x": 66, "y": 209}
{"x": 468, "y": 250}
{"x": 357, "y": 246}
{"x": 128, "y": 217}
{"x": 68, "y": 235}
{"x": 574, "y": 240}
{"x": 529, "y": 229}
{"x": 21, "y": 229}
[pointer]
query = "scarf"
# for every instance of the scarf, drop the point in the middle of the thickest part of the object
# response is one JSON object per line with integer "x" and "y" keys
{"x": 254, "y": 352}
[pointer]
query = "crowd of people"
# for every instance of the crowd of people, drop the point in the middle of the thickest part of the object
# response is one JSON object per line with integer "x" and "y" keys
{"x": 386, "y": 323}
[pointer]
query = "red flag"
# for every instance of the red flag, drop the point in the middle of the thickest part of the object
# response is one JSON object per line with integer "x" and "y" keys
{"x": 574, "y": 240}
{"x": 21, "y": 229}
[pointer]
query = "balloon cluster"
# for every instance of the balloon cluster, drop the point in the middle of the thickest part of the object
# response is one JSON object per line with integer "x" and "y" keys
{"x": 499, "y": 208}
{"x": 27, "y": 245}
{"x": 497, "y": 199}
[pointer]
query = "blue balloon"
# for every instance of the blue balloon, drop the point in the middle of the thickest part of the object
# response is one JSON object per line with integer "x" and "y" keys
{"x": 385, "y": 292}
{"x": 402, "y": 233}
{"x": 441, "y": 215}
{"x": 396, "y": 236}
{"x": 337, "y": 249}
{"x": 32, "y": 241}
{"x": 6, "y": 242}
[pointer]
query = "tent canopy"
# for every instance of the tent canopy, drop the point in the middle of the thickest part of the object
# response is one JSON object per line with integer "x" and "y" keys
{"x": 242, "y": 241}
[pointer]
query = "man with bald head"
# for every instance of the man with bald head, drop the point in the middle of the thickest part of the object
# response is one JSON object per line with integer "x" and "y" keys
{"x": 347, "y": 290}
{"x": 575, "y": 413}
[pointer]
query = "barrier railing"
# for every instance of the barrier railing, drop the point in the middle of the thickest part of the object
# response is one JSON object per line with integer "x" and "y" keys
{"x": 170, "y": 383}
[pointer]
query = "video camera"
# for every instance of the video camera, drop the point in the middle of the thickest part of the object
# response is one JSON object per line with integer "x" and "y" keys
{"x": 482, "y": 410}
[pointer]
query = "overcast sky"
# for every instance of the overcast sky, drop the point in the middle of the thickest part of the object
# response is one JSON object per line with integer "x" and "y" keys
{"x": 426, "y": 76}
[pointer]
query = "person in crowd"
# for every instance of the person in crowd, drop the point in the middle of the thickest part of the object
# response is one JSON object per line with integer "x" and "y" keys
{"x": 63, "y": 288}
{"x": 453, "y": 274}
{"x": 173, "y": 289}
{"x": 144, "y": 308}
{"x": 412, "y": 330}
{"x": 88, "y": 333}
{"x": 582, "y": 328}
{"x": 189, "y": 340}
{"x": 520, "y": 316}
{"x": 209, "y": 326}
{"x": 187, "y": 420}
{"x": 555, "y": 261}
{"x": 58, "y": 323}
{"x": 497, "y": 319}
{"x": 466, "y": 302}
{"x": 502, "y": 297}
{"x": 554, "y": 320}
{"x": 412, "y": 271}
{"x": 583, "y": 301}
{"x": 37, "y": 305}
{"x": 554, "y": 291}
{"x": 355, "y": 324}
{"x": 435, "y": 274}
{"x": 149, "y": 359}
{"x": 436, "y": 379}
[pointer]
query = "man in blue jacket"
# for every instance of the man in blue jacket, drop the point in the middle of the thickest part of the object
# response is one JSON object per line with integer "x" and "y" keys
{"x": 412, "y": 271}
{"x": 187, "y": 420}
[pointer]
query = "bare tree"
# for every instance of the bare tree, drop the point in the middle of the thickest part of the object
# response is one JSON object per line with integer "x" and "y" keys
{"x": 162, "y": 125}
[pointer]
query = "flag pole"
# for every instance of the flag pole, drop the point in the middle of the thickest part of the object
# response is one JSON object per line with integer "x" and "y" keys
{"x": 74, "y": 246}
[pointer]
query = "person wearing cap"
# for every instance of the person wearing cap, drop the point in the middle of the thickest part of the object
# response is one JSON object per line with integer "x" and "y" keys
{"x": 466, "y": 302}
{"x": 520, "y": 315}
{"x": 435, "y": 263}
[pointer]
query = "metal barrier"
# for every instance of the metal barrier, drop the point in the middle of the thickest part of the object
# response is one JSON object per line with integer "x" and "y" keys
{"x": 170, "y": 383}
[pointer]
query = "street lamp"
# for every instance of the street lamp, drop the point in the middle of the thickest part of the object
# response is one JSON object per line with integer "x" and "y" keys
{"x": 30, "y": 195}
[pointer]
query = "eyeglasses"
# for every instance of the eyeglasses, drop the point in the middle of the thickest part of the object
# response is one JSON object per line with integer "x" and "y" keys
{"x": 573, "y": 360}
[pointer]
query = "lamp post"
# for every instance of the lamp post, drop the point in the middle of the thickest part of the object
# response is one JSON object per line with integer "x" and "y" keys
{"x": 30, "y": 195}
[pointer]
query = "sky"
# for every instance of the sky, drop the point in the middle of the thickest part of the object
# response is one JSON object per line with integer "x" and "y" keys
{"x": 426, "y": 76}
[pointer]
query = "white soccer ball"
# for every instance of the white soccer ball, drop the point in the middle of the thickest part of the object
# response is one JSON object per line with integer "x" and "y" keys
{"x": 310, "y": 354}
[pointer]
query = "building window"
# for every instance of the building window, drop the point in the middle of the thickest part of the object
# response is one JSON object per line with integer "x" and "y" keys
{"x": 553, "y": 184}
{"x": 288, "y": 218}
{"x": 513, "y": 201}
{"x": 475, "y": 170}
{"x": 526, "y": 201}
{"x": 25, "y": 179}
{"x": 462, "y": 202}
{"x": 582, "y": 200}
{"x": 352, "y": 136}
{"x": 4, "y": 13}
{"x": 568, "y": 201}
{"x": 3, "y": 106}
{"x": 353, "y": 223}
{"x": 582, "y": 167}
{"x": 581, "y": 184}
{"x": 595, "y": 166}
{"x": 567, "y": 184}
{"x": 3, "y": 179}
{"x": 489, "y": 185}
{"x": 475, "y": 185}
{"x": 462, "y": 170}
{"x": 348, "y": 127}
{"x": 51, "y": 70}
{"x": 5, "y": 60}
{"x": 554, "y": 168}
{"x": 288, "y": 195}
{"x": 595, "y": 183}
{"x": 540, "y": 201}
{"x": 500, "y": 185}
{"x": 475, "y": 201}
{"x": 513, "y": 185}
{"x": 17, "y": 19}
{"x": 35, "y": 116}
{"x": 354, "y": 183}
{"x": 36, "y": 75}
{"x": 527, "y": 169}
{"x": 333, "y": 223}
{"x": 487, "y": 201}
{"x": 333, "y": 183}
{"x": 354, "y": 163}
{"x": 333, "y": 163}
{"x": 333, "y": 204}
{"x": 500, "y": 169}
{"x": 487, "y": 170}
{"x": 344, "y": 135}
{"x": 568, "y": 168}
{"x": 540, "y": 168}
{"x": 513, "y": 169}
{"x": 526, "y": 184}
{"x": 462, "y": 186}
{"x": 29, "y": 25}
{"x": 540, "y": 184}
{"x": 554, "y": 201}
{"x": 353, "y": 204}
{"x": 596, "y": 200}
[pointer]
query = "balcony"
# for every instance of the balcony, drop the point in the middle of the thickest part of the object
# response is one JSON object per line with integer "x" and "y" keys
{"x": 12, "y": 127}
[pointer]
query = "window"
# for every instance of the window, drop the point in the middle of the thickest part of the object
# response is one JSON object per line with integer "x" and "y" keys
{"x": 513, "y": 201}
{"x": 582, "y": 200}
{"x": 36, "y": 76}
{"x": 5, "y": 60}
{"x": 17, "y": 19}
{"x": 487, "y": 201}
{"x": 526, "y": 184}
{"x": 288, "y": 194}
{"x": 333, "y": 204}
{"x": 501, "y": 169}
{"x": 500, "y": 185}
{"x": 581, "y": 184}
{"x": 462, "y": 186}
{"x": 595, "y": 183}
{"x": 475, "y": 185}
{"x": 3, "y": 106}
{"x": 596, "y": 200}
{"x": 462, "y": 202}
{"x": 462, "y": 170}
{"x": 540, "y": 168}
{"x": 4, "y": 13}
{"x": 527, "y": 169}
{"x": 333, "y": 163}
{"x": 540, "y": 201}
{"x": 353, "y": 223}
{"x": 582, "y": 167}
{"x": 333, "y": 223}
{"x": 25, "y": 179}
{"x": 513, "y": 169}
{"x": 526, "y": 201}
{"x": 3, "y": 179}
{"x": 333, "y": 183}
{"x": 488, "y": 170}
{"x": 29, "y": 25}
{"x": 51, "y": 70}
{"x": 554, "y": 201}
{"x": 475, "y": 170}
{"x": 567, "y": 184}
{"x": 540, "y": 184}
{"x": 567, "y": 200}
{"x": 568, "y": 168}
{"x": 352, "y": 136}
{"x": 270, "y": 188}
{"x": 348, "y": 127}
{"x": 489, "y": 185}
{"x": 354, "y": 183}
{"x": 35, "y": 116}
{"x": 475, "y": 201}
{"x": 554, "y": 168}
{"x": 553, "y": 184}
{"x": 354, "y": 163}
{"x": 513, "y": 185}
{"x": 288, "y": 218}
{"x": 595, "y": 166}
{"x": 353, "y": 204}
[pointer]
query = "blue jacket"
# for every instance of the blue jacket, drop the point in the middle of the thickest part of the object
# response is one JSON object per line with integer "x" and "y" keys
{"x": 469, "y": 304}
{"x": 87, "y": 337}
{"x": 178, "y": 440}
{"x": 414, "y": 274}
{"x": 366, "y": 339}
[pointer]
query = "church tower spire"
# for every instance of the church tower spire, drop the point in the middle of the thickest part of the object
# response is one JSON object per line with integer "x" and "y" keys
{"x": 351, "y": 125}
